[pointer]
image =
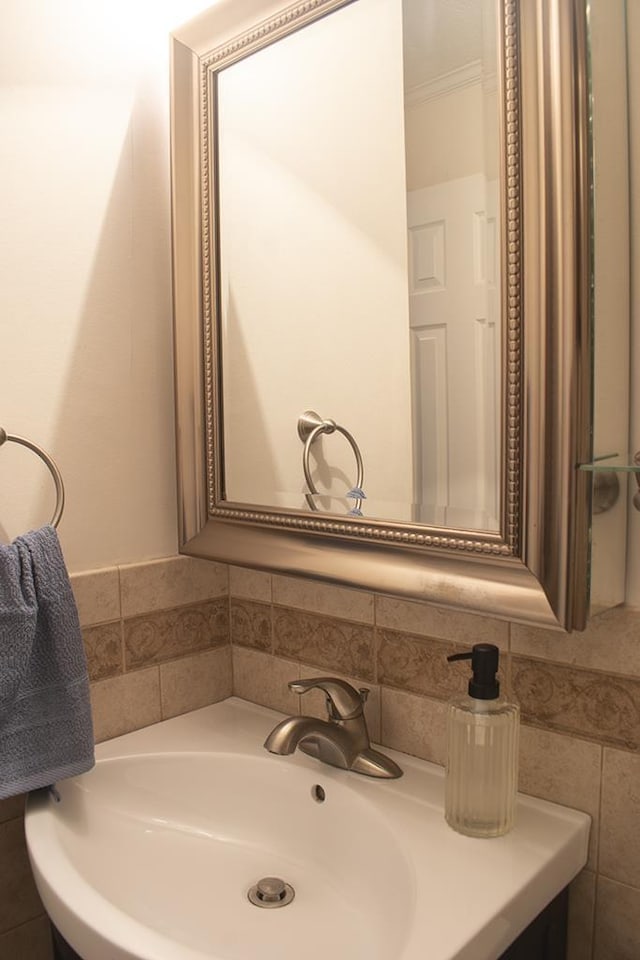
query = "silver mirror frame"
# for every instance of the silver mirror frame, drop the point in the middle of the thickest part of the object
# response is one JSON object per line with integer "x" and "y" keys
{"x": 535, "y": 570}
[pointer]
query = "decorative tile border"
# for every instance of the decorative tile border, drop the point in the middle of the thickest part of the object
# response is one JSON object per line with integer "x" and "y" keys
{"x": 419, "y": 665}
{"x": 103, "y": 646}
{"x": 338, "y": 645}
{"x": 582, "y": 703}
{"x": 250, "y": 624}
{"x": 167, "y": 634}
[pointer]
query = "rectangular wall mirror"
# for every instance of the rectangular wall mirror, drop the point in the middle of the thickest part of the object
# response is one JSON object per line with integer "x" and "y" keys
{"x": 382, "y": 273}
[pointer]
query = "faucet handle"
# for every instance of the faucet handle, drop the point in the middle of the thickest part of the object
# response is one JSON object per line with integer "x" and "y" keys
{"x": 344, "y": 702}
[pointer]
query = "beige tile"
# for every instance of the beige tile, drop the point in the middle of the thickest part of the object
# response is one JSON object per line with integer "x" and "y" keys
{"x": 617, "y": 935}
{"x": 619, "y": 834}
{"x": 564, "y": 770}
{"x": 174, "y": 633}
{"x": 579, "y": 702}
{"x": 419, "y": 665}
{"x": 582, "y": 895}
{"x": 125, "y": 703}
{"x": 414, "y": 725}
{"x": 11, "y": 808}
{"x": 609, "y": 643}
{"x": 29, "y": 941}
{"x": 97, "y": 595}
{"x": 176, "y": 581}
{"x": 333, "y": 645}
{"x": 19, "y": 900}
{"x": 263, "y": 679}
{"x": 250, "y": 584}
{"x": 427, "y": 620}
{"x": 342, "y": 602}
{"x": 103, "y": 646}
{"x": 313, "y": 703}
{"x": 195, "y": 681}
{"x": 250, "y": 624}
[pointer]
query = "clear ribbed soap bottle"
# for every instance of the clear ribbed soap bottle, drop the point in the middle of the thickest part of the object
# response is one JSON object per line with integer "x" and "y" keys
{"x": 482, "y": 751}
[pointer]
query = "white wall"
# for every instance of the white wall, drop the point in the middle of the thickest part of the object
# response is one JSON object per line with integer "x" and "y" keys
{"x": 85, "y": 305}
{"x": 445, "y": 137}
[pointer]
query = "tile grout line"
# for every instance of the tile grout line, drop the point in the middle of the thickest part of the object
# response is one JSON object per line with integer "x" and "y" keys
{"x": 596, "y": 889}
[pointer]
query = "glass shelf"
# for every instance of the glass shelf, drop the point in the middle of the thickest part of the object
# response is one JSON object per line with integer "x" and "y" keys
{"x": 619, "y": 462}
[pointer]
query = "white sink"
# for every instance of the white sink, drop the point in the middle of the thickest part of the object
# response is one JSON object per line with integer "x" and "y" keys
{"x": 150, "y": 855}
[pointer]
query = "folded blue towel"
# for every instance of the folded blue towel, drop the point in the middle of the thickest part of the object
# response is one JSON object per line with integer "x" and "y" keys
{"x": 46, "y": 733}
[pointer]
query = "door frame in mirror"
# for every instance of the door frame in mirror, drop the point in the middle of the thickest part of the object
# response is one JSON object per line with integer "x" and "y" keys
{"x": 535, "y": 569}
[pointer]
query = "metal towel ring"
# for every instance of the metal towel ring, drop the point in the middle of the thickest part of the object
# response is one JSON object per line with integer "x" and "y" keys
{"x": 310, "y": 427}
{"x": 55, "y": 473}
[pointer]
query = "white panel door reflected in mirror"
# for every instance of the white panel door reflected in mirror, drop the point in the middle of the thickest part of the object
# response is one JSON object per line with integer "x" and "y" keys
{"x": 359, "y": 263}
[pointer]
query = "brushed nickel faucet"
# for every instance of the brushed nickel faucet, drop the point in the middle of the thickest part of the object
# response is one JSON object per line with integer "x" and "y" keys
{"x": 342, "y": 740}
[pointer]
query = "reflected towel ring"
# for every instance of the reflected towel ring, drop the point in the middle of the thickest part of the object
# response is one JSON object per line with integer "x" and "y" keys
{"x": 53, "y": 469}
{"x": 310, "y": 427}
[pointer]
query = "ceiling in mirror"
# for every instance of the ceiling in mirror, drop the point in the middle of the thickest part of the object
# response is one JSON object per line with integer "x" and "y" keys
{"x": 359, "y": 258}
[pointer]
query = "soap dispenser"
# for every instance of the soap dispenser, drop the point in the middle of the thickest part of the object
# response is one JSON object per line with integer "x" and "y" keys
{"x": 482, "y": 751}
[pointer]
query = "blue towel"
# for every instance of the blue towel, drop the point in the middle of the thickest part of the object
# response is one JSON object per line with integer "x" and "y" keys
{"x": 46, "y": 733}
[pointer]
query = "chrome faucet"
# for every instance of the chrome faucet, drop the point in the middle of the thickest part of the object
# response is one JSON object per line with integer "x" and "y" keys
{"x": 342, "y": 740}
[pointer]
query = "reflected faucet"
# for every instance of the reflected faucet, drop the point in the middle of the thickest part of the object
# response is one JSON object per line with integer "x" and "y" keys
{"x": 342, "y": 740}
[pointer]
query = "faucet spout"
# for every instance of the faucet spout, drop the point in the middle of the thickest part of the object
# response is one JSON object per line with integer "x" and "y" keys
{"x": 319, "y": 738}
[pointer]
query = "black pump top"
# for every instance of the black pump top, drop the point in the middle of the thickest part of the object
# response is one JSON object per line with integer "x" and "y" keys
{"x": 484, "y": 658}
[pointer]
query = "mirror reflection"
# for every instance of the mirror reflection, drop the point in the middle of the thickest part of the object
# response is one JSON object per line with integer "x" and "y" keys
{"x": 359, "y": 248}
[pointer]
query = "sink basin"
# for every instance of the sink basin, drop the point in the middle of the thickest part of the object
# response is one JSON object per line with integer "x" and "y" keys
{"x": 150, "y": 856}
{"x": 174, "y": 841}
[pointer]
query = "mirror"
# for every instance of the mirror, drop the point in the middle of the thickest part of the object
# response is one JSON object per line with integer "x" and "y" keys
{"x": 375, "y": 192}
{"x": 328, "y": 424}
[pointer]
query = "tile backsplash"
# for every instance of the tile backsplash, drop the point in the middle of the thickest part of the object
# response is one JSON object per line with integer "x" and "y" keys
{"x": 168, "y": 636}
{"x": 579, "y": 694}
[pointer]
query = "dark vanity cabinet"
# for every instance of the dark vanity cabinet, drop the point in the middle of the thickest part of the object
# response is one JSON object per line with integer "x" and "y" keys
{"x": 546, "y": 937}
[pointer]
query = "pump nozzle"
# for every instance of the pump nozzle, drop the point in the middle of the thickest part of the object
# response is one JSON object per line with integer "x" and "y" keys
{"x": 484, "y": 658}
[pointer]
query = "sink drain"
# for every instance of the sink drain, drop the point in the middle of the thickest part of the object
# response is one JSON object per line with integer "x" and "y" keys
{"x": 271, "y": 892}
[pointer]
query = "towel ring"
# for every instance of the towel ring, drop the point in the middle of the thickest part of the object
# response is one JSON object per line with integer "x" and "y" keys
{"x": 310, "y": 426}
{"x": 55, "y": 473}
